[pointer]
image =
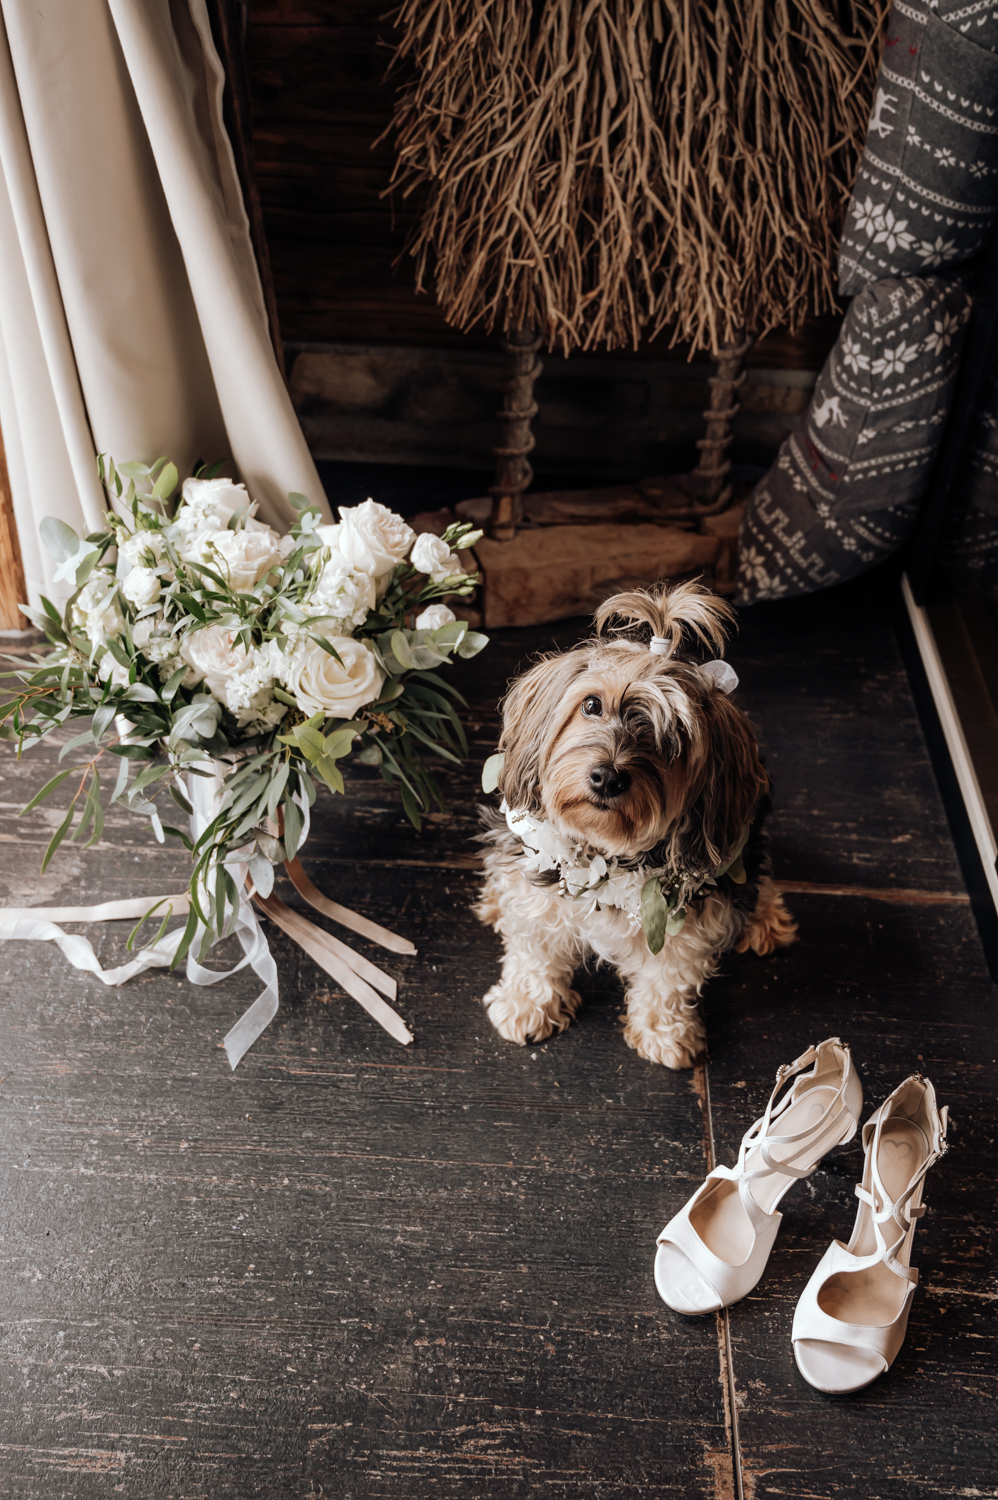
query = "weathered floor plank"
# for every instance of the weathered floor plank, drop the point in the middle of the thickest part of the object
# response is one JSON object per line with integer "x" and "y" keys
{"x": 355, "y": 1270}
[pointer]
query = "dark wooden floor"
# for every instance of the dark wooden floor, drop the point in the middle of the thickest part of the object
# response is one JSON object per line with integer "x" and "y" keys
{"x": 351, "y": 1270}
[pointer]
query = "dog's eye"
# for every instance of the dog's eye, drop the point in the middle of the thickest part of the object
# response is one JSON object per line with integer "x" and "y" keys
{"x": 592, "y": 707}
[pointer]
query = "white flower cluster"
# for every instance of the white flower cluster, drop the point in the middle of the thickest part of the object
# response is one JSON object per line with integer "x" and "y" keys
{"x": 587, "y": 878}
{"x": 215, "y": 528}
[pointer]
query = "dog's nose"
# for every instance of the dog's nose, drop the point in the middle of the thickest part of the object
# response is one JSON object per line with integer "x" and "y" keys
{"x": 609, "y": 781}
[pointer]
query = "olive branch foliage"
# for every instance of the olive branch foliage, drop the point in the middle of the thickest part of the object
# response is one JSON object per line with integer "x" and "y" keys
{"x": 148, "y": 735}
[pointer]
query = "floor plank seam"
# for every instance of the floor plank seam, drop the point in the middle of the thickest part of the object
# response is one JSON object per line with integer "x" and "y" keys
{"x": 724, "y": 1349}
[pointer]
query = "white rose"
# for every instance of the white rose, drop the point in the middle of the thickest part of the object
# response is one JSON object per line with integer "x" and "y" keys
{"x": 321, "y": 684}
{"x": 213, "y": 658}
{"x": 209, "y": 501}
{"x": 434, "y": 616}
{"x": 432, "y": 555}
{"x": 141, "y": 587}
{"x": 373, "y": 538}
{"x": 242, "y": 557}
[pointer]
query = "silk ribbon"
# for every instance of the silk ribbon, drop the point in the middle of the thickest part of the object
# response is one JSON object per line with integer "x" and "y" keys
{"x": 357, "y": 975}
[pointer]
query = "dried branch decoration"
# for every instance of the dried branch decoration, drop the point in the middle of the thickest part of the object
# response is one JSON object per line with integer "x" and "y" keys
{"x": 601, "y": 170}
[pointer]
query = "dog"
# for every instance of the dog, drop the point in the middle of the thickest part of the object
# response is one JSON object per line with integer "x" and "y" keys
{"x": 633, "y": 804}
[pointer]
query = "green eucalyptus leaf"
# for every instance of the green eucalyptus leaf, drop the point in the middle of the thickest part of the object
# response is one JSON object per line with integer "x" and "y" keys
{"x": 49, "y": 786}
{"x": 58, "y": 539}
{"x": 491, "y": 772}
{"x": 654, "y": 913}
{"x": 473, "y": 642}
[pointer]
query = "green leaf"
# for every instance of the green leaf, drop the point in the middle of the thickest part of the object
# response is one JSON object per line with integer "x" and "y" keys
{"x": 654, "y": 913}
{"x": 411, "y": 806}
{"x": 371, "y": 755}
{"x": 330, "y": 772}
{"x": 473, "y": 642}
{"x": 400, "y": 649}
{"x": 676, "y": 921}
{"x": 180, "y": 799}
{"x": 277, "y": 785}
{"x": 49, "y": 786}
{"x": 490, "y": 774}
{"x": 283, "y": 697}
{"x": 78, "y": 739}
{"x": 293, "y": 824}
{"x": 166, "y": 483}
{"x": 188, "y": 937}
{"x": 300, "y": 502}
{"x": 340, "y": 741}
{"x": 58, "y": 836}
{"x": 58, "y": 539}
{"x": 172, "y": 683}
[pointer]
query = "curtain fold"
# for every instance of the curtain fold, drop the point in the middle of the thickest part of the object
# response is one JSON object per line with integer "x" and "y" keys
{"x": 131, "y": 314}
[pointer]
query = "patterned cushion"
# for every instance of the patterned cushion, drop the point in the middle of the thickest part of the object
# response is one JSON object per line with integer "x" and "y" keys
{"x": 927, "y": 185}
{"x": 970, "y": 541}
{"x": 844, "y": 490}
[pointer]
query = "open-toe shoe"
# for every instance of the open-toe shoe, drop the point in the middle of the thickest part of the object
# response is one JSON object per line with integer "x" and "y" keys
{"x": 715, "y": 1249}
{"x": 852, "y": 1316}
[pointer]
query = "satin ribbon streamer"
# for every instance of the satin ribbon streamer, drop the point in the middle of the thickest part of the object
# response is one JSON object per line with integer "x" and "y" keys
{"x": 354, "y": 973}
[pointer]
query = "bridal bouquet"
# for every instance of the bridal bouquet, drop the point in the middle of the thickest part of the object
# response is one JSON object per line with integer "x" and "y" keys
{"x": 200, "y": 643}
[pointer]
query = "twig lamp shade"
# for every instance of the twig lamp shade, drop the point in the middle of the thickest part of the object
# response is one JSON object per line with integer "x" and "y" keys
{"x": 604, "y": 170}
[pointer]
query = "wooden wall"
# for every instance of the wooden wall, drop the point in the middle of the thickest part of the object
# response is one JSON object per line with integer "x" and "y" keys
{"x": 316, "y": 70}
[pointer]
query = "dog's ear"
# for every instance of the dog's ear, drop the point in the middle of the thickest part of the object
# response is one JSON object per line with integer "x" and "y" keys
{"x": 726, "y": 783}
{"x": 686, "y": 613}
{"x": 529, "y": 711}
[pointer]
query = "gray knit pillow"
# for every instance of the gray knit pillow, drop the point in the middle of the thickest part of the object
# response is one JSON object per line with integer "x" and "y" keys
{"x": 927, "y": 185}
{"x": 970, "y": 541}
{"x": 844, "y": 490}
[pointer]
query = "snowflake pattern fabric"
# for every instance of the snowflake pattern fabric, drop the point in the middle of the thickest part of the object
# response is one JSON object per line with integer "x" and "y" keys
{"x": 970, "y": 541}
{"x": 927, "y": 187}
{"x": 844, "y": 491}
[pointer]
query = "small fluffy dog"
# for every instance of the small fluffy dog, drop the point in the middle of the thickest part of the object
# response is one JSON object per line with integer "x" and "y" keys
{"x": 632, "y": 794}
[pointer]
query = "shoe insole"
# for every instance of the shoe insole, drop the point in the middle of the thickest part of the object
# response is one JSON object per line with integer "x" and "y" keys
{"x": 719, "y": 1218}
{"x": 874, "y": 1296}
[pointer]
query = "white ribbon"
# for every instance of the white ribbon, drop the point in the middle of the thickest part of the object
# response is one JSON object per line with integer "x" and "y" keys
{"x": 355, "y": 973}
{"x": 724, "y": 675}
{"x": 721, "y": 673}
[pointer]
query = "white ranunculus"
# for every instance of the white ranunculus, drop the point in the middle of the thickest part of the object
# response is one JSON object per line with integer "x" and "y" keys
{"x": 432, "y": 555}
{"x": 113, "y": 671}
{"x": 141, "y": 587}
{"x": 321, "y": 684}
{"x": 342, "y": 593}
{"x": 209, "y": 502}
{"x": 96, "y": 608}
{"x": 242, "y": 557}
{"x": 143, "y": 549}
{"x": 372, "y": 538}
{"x": 213, "y": 658}
{"x": 434, "y": 616}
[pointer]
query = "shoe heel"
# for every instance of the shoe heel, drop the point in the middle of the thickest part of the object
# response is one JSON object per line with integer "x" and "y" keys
{"x": 850, "y": 1133}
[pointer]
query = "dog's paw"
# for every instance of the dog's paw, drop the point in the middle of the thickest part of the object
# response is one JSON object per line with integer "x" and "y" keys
{"x": 771, "y": 925}
{"x": 676, "y": 1046}
{"x": 523, "y": 1017}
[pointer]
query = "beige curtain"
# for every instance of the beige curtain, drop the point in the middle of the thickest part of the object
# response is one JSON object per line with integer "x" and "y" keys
{"x": 131, "y": 315}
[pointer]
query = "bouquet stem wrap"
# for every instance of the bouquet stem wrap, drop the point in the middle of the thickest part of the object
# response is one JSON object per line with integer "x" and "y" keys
{"x": 357, "y": 975}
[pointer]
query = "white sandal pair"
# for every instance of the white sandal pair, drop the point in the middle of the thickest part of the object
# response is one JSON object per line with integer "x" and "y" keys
{"x": 851, "y": 1318}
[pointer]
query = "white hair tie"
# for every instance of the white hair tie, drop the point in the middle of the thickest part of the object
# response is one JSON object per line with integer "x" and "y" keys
{"x": 660, "y": 645}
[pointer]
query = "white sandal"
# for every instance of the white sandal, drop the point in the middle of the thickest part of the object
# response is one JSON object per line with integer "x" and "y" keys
{"x": 851, "y": 1319}
{"x": 715, "y": 1249}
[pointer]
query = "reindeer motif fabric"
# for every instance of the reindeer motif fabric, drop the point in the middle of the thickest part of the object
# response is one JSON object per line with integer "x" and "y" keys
{"x": 927, "y": 186}
{"x": 844, "y": 490}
